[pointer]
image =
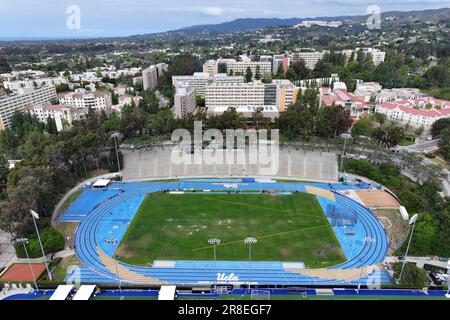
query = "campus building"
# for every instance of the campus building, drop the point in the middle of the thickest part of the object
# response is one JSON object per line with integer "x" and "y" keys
{"x": 33, "y": 83}
{"x": 199, "y": 80}
{"x": 211, "y": 67}
{"x": 62, "y": 114}
{"x": 240, "y": 68}
{"x": 422, "y": 112}
{"x": 81, "y": 99}
{"x": 310, "y": 58}
{"x": 339, "y": 97}
{"x": 150, "y": 78}
{"x": 9, "y": 104}
{"x": 271, "y": 98}
{"x": 184, "y": 100}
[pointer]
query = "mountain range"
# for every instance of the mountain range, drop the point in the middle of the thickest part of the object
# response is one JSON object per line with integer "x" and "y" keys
{"x": 248, "y": 24}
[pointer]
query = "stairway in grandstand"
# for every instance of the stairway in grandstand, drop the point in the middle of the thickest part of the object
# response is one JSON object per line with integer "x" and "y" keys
{"x": 124, "y": 273}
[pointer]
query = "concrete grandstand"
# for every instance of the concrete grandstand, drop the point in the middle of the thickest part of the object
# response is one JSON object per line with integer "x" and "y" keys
{"x": 155, "y": 163}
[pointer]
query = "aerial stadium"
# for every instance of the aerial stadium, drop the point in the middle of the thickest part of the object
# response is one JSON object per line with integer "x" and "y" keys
{"x": 185, "y": 227}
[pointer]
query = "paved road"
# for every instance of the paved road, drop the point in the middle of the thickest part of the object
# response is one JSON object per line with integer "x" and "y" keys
{"x": 420, "y": 261}
{"x": 426, "y": 146}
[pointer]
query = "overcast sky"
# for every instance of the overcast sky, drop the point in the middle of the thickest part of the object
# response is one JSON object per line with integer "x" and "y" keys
{"x": 48, "y": 18}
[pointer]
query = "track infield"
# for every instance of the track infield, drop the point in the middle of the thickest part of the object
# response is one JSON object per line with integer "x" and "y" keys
{"x": 178, "y": 226}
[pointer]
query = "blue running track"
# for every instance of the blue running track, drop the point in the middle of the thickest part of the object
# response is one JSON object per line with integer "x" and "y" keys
{"x": 106, "y": 214}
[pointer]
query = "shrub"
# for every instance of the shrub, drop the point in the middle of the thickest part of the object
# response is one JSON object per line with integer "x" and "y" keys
{"x": 52, "y": 241}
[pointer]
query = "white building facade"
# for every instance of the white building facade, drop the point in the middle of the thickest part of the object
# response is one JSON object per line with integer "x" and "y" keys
{"x": 9, "y": 104}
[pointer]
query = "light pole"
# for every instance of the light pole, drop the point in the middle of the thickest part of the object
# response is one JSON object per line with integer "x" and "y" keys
{"x": 250, "y": 241}
{"x": 117, "y": 273}
{"x": 346, "y": 136}
{"x": 35, "y": 216}
{"x": 360, "y": 276}
{"x": 413, "y": 222}
{"x": 24, "y": 241}
{"x": 115, "y": 136}
{"x": 448, "y": 280}
{"x": 214, "y": 242}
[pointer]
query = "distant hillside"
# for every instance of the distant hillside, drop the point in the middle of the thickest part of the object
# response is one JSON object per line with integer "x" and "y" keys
{"x": 247, "y": 24}
{"x": 250, "y": 24}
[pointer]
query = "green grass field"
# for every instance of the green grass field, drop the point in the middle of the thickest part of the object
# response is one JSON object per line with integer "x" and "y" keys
{"x": 288, "y": 228}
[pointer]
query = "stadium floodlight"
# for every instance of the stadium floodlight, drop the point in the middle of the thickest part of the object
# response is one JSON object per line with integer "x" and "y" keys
{"x": 119, "y": 283}
{"x": 115, "y": 136}
{"x": 117, "y": 273}
{"x": 250, "y": 241}
{"x": 412, "y": 222}
{"x": 24, "y": 242}
{"x": 214, "y": 242}
{"x": 345, "y": 136}
{"x": 35, "y": 216}
{"x": 448, "y": 279}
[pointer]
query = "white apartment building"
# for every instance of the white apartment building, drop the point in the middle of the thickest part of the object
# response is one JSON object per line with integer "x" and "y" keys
{"x": 17, "y": 101}
{"x": 278, "y": 95}
{"x": 211, "y": 67}
{"x": 150, "y": 78}
{"x": 25, "y": 74}
{"x": 199, "y": 80}
{"x": 184, "y": 100}
{"x": 368, "y": 90}
{"x": 32, "y": 83}
{"x": 248, "y": 111}
{"x": 63, "y": 115}
{"x": 161, "y": 68}
{"x": 81, "y": 99}
{"x": 422, "y": 112}
{"x": 88, "y": 76}
{"x": 317, "y": 82}
{"x": 377, "y": 55}
{"x": 239, "y": 68}
{"x": 395, "y": 94}
{"x": 234, "y": 94}
{"x": 310, "y": 58}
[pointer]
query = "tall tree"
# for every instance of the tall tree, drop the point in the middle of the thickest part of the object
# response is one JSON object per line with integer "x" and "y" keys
{"x": 248, "y": 75}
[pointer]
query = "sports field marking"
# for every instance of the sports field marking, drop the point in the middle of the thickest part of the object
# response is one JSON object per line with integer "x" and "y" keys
{"x": 262, "y": 237}
{"x": 263, "y": 208}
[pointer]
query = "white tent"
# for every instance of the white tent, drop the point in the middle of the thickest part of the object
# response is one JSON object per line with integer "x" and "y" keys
{"x": 167, "y": 293}
{"x": 404, "y": 213}
{"x": 84, "y": 293}
{"x": 62, "y": 292}
{"x": 101, "y": 183}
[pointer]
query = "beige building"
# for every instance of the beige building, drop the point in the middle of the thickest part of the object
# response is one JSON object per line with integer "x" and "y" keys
{"x": 235, "y": 94}
{"x": 310, "y": 58}
{"x": 211, "y": 67}
{"x": 9, "y": 104}
{"x": 80, "y": 99}
{"x": 274, "y": 97}
{"x": 62, "y": 114}
{"x": 240, "y": 67}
